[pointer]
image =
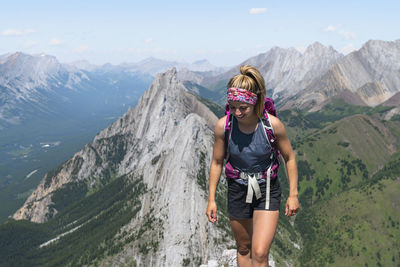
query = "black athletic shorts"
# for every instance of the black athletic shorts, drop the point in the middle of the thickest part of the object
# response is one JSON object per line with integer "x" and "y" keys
{"x": 239, "y": 209}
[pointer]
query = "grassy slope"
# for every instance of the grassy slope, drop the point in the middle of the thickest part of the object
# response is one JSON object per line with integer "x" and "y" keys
{"x": 350, "y": 217}
{"x": 359, "y": 227}
{"x": 343, "y": 154}
{"x": 338, "y": 150}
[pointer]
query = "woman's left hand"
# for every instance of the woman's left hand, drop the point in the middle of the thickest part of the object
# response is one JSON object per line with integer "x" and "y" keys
{"x": 292, "y": 206}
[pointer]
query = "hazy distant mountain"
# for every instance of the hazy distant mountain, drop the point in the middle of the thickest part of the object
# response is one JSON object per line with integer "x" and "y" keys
{"x": 34, "y": 86}
{"x": 153, "y": 66}
{"x": 205, "y": 66}
{"x": 83, "y": 65}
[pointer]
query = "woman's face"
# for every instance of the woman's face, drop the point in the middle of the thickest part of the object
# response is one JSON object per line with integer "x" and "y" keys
{"x": 241, "y": 110}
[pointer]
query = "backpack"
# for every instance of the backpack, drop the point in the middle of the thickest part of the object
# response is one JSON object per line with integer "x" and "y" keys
{"x": 272, "y": 171}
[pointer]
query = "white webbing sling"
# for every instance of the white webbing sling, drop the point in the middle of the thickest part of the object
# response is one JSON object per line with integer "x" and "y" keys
{"x": 254, "y": 188}
{"x": 268, "y": 178}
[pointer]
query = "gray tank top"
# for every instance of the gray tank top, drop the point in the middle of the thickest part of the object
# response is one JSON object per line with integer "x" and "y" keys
{"x": 249, "y": 152}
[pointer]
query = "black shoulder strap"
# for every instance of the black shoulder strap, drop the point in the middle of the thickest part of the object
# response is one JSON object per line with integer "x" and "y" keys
{"x": 227, "y": 134}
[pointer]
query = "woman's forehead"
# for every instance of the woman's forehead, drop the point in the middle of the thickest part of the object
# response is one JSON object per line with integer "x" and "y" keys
{"x": 238, "y": 104}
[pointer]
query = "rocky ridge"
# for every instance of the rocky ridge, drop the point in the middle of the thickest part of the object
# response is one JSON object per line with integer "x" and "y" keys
{"x": 370, "y": 74}
{"x": 22, "y": 74}
{"x": 167, "y": 140}
{"x": 283, "y": 69}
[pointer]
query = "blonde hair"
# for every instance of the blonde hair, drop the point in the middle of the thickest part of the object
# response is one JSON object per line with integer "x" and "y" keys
{"x": 251, "y": 79}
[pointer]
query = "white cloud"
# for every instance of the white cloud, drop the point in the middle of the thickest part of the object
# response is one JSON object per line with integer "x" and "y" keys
{"x": 81, "y": 48}
{"x": 330, "y": 28}
{"x": 30, "y": 44}
{"x": 348, "y": 49}
{"x": 14, "y": 32}
{"x": 148, "y": 40}
{"x": 55, "y": 41}
{"x": 347, "y": 35}
{"x": 336, "y": 29}
{"x": 257, "y": 10}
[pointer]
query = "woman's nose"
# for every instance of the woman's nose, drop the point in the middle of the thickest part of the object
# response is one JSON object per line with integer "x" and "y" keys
{"x": 238, "y": 112}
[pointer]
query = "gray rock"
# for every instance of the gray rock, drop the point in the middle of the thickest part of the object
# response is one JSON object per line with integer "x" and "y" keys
{"x": 167, "y": 139}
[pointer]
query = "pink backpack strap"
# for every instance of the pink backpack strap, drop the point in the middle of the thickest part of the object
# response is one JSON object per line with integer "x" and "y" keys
{"x": 270, "y": 135}
{"x": 228, "y": 124}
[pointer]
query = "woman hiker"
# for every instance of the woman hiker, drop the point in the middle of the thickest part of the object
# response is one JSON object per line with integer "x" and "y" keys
{"x": 251, "y": 141}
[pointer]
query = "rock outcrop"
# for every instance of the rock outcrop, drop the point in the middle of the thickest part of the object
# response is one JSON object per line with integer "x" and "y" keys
{"x": 167, "y": 140}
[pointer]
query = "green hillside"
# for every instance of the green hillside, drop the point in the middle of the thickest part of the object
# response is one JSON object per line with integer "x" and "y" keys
{"x": 343, "y": 154}
{"x": 94, "y": 221}
{"x": 349, "y": 168}
{"x": 358, "y": 227}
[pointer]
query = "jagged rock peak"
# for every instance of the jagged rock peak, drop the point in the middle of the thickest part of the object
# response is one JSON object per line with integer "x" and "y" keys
{"x": 162, "y": 107}
{"x": 379, "y": 47}
{"x": 320, "y": 49}
{"x": 164, "y": 117}
{"x": 23, "y": 64}
{"x": 280, "y": 50}
{"x": 165, "y": 142}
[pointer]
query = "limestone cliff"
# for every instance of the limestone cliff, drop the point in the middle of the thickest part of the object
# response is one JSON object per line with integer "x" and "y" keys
{"x": 167, "y": 141}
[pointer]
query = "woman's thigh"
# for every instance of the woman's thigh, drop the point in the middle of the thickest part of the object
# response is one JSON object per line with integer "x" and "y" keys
{"x": 242, "y": 230}
{"x": 264, "y": 227}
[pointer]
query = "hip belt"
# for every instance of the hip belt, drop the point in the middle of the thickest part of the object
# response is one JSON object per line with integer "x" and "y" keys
{"x": 254, "y": 188}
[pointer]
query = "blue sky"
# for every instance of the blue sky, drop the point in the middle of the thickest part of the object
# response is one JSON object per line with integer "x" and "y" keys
{"x": 223, "y": 32}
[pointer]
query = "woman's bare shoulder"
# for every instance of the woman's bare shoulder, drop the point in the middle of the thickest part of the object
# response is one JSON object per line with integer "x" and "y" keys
{"x": 277, "y": 125}
{"x": 220, "y": 126}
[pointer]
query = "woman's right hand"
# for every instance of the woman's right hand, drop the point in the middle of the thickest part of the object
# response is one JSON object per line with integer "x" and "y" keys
{"x": 212, "y": 211}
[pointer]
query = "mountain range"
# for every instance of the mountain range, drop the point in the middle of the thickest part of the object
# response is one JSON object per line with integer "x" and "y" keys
{"x": 368, "y": 76}
{"x": 34, "y": 86}
{"x": 136, "y": 194}
{"x": 152, "y": 66}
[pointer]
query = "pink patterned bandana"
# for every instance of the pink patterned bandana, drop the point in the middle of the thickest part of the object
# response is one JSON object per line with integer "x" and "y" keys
{"x": 241, "y": 95}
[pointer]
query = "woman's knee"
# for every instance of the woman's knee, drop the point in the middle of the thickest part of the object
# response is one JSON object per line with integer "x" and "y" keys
{"x": 244, "y": 247}
{"x": 260, "y": 254}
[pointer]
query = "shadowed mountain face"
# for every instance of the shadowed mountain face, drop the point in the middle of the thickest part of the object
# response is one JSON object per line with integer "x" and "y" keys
{"x": 162, "y": 148}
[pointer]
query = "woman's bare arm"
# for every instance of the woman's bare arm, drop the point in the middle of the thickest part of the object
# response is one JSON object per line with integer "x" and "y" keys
{"x": 217, "y": 163}
{"x": 284, "y": 146}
